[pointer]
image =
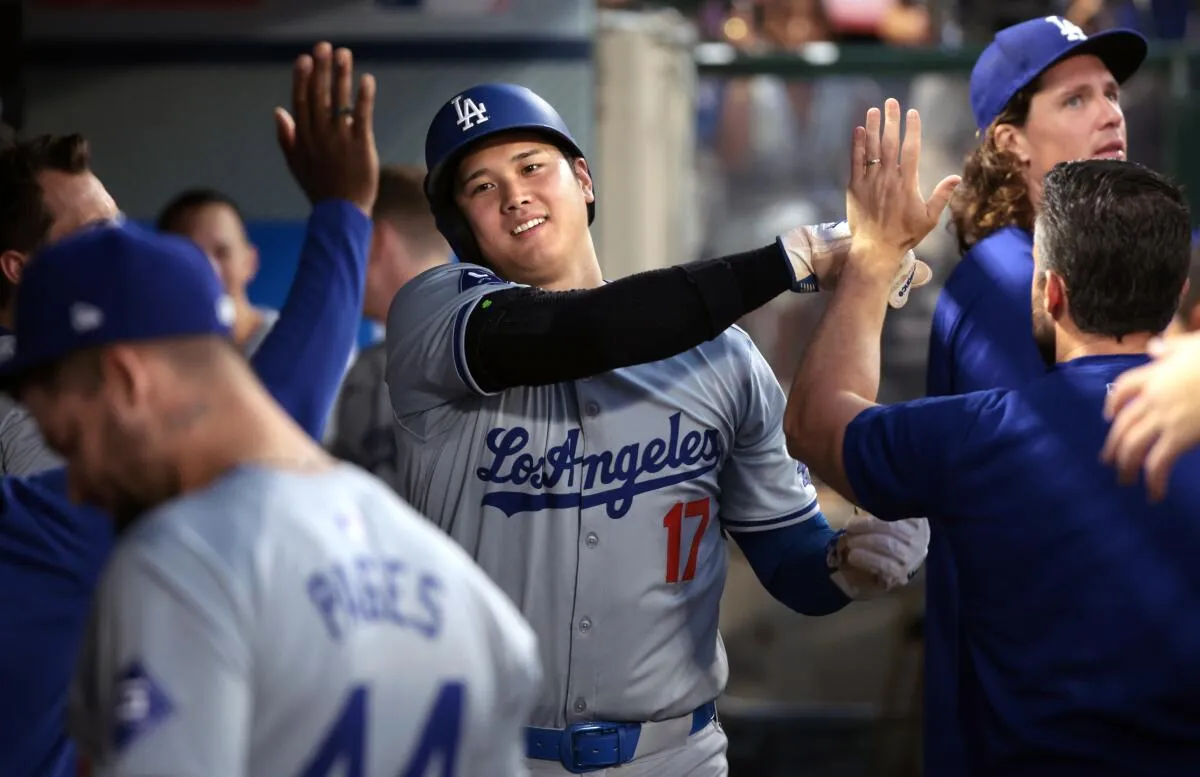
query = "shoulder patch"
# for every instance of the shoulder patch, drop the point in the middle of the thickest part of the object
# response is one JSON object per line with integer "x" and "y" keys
{"x": 469, "y": 278}
{"x": 140, "y": 705}
{"x": 805, "y": 476}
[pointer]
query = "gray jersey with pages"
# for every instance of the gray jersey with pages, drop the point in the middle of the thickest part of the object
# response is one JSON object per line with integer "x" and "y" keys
{"x": 598, "y": 504}
{"x": 287, "y": 623}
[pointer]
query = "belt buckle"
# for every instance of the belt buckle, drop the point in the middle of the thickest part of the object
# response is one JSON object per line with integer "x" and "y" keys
{"x": 570, "y": 747}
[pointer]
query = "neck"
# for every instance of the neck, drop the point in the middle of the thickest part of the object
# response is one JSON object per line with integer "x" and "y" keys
{"x": 248, "y": 319}
{"x": 251, "y": 429}
{"x": 583, "y": 273}
{"x": 1076, "y": 345}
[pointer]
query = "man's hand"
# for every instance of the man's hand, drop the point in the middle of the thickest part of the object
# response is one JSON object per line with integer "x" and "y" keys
{"x": 818, "y": 253}
{"x": 872, "y": 557}
{"x": 887, "y": 214}
{"x": 1155, "y": 410}
{"x": 328, "y": 138}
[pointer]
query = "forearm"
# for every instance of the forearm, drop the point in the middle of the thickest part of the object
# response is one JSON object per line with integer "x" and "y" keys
{"x": 302, "y": 360}
{"x": 529, "y": 337}
{"x": 792, "y": 565}
{"x": 839, "y": 375}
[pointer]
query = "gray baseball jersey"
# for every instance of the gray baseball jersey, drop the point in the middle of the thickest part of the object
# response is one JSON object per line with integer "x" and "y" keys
{"x": 363, "y": 427}
{"x": 283, "y": 623}
{"x": 597, "y": 505}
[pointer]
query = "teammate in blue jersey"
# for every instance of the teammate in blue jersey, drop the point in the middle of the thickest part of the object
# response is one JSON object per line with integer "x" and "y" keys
{"x": 592, "y": 444}
{"x": 1042, "y": 93}
{"x": 52, "y": 550}
{"x": 1077, "y": 652}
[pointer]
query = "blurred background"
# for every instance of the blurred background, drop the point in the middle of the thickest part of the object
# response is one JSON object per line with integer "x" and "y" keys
{"x": 711, "y": 126}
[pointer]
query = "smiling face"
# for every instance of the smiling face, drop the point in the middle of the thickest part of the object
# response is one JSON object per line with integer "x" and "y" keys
{"x": 1076, "y": 114}
{"x": 526, "y": 203}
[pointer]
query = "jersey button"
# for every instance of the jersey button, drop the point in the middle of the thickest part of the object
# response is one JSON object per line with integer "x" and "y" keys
{"x": 592, "y": 409}
{"x": 580, "y": 705}
{"x": 592, "y": 539}
{"x": 585, "y": 624}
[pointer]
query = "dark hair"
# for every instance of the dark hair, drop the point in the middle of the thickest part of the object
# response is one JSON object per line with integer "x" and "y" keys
{"x": 994, "y": 193}
{"x": 1120, "y": 236}
{"x": 25, "y": 220}
{"x": 173, "y": 217}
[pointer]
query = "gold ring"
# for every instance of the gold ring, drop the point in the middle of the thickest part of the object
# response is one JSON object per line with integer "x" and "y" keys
{"x": 873, "y": 162}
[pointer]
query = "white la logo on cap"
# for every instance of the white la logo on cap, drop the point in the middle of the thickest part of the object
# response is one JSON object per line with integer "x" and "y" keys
{"x": 86, "y": 317}
{"x": 1069, "y": 30}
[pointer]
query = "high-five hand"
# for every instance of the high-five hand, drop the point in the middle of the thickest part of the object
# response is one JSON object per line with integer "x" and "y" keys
{"x": 328, "y": 139}
{"x": 887, "y": 214}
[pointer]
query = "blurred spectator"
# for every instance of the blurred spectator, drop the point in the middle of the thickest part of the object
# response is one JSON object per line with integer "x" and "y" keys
{"x": 214, "y": 222}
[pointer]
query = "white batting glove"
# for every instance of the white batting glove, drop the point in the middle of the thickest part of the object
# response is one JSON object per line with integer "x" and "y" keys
{"x": 818, "y": 252}
{"x": 872, "y": 557}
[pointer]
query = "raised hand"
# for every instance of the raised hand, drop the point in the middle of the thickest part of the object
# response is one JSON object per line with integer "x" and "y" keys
{"x": 884, "y": 206}
{"x": 328, "y": 139}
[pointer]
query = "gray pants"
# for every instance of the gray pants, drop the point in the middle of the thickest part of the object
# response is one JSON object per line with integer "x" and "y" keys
{"x": 702, "y": 756}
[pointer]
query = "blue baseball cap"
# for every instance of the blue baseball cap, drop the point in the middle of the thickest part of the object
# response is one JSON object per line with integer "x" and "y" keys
{"x": 113, "y": 284}
{"x": 1020, "y": 53}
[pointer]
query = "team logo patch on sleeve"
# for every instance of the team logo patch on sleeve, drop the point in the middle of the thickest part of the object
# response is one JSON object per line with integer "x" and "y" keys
{"x": 805, "y": 476}
{"x": 141, "y": 705}
{"x": 477, "y": 276}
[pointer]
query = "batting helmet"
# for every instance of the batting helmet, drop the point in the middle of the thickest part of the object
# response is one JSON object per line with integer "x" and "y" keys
{"x": 470, "y": 116}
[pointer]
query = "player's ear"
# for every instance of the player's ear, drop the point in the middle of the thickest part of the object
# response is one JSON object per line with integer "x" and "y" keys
{"x": 1055, "y": 297}
{"x": 1012, "y": 140}
{"x": 584, "y": 176}
{"x": 12, "y": 264}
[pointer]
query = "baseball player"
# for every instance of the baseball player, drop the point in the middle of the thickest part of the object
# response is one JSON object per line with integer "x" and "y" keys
{"x": 51, "y": 549}
{"x": 405, "y": 242}
{"x": 598, "y": 494}
{"x": 1076, "y": 653}
{"x": 1042, "y": 92}
{"x": 267, "y": 609}
{"x": 214, "y": 222}
{"x": 49, "y": 190}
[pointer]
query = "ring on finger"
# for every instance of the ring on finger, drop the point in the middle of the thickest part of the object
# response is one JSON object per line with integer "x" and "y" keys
{"x": 873, "y": 162}
{"x": 345, "y": 111}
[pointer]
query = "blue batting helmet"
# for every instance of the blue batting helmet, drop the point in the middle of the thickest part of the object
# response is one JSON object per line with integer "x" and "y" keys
{"x": 469, "y": 117}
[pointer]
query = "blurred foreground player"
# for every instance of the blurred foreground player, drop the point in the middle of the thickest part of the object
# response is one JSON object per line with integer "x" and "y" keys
{"x": 255, "y": 576}
{"x": 51, "y": 549}
{"x": 1078, "y": 652}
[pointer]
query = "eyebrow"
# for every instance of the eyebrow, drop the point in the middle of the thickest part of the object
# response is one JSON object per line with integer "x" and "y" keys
{"x": 515, "y": 158}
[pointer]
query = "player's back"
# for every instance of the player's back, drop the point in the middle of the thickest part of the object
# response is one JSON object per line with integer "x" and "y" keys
{"x": 1077, "y": 596}
{"x": 371, "y": 638}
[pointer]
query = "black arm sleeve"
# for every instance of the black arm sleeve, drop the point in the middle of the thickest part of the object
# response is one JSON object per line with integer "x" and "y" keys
{"x": 531, "y": 337}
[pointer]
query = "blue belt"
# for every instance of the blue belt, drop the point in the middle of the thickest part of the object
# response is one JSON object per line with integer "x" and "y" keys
{"x": 597, "y": 744}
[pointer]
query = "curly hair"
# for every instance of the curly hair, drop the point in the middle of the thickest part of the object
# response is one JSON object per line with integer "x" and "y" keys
{"x": 994, "y": 193}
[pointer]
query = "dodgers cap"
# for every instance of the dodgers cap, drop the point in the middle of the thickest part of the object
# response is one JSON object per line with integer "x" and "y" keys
{"x": 112, "y": 284}
{"x": 1020, "y": 53}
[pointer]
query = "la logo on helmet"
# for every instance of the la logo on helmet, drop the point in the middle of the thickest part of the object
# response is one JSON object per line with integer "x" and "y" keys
{"x": 469, "y": 112}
